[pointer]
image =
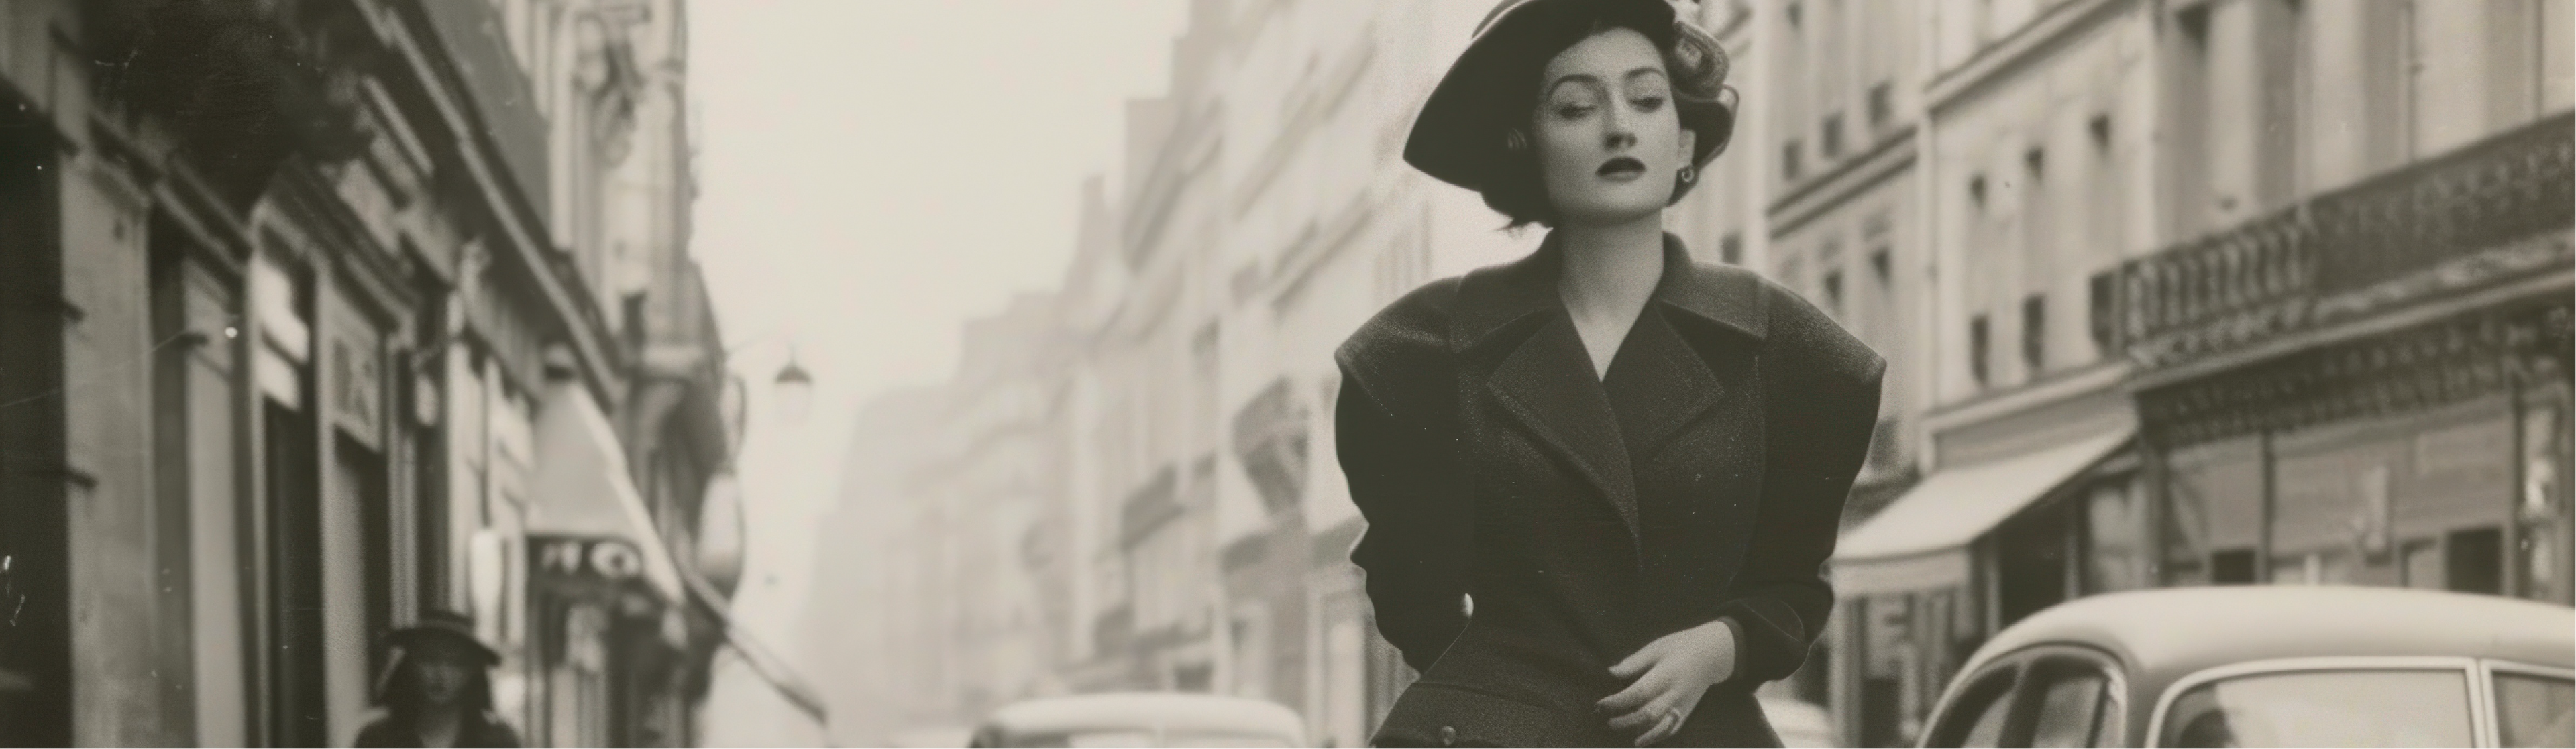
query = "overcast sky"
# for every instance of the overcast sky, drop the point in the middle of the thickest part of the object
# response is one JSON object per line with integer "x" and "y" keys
{"x": 873, "y": 173}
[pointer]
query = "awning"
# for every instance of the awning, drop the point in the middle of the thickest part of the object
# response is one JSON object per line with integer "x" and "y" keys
{"x": 765, "y": 664}
{"x": 582, "y": 487}
{"x": 1921, "y": 540}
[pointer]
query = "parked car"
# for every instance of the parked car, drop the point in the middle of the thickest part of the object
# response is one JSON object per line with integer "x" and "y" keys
{"x": 1800, "y": 724}
{"x": 1142, "y": 719}
{"x": 930, "y": 737}
{"x": 2271, "y": 666}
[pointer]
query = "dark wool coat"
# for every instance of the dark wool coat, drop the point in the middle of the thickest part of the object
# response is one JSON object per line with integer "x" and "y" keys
{"x": 480, "y": 730}
{"x": 1587, "y": 515}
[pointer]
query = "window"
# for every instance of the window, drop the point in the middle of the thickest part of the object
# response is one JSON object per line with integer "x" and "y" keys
{"x": 1881, "y": 267}
{"x": 1977, "y": 719}
{"x": 2102, "y": 310}
{"x": 2474, "y": 561}
{"x": 2034, "y": 333}
{"x": 1833, "y": 285}
{"x": 1977, "y": 345}
{"x": 2360, "y": 708}
{"x": 1977, "y": 192}
{"x": 2231, "y": 567}
{"x": 1789, "y": 167}
{"x": 2071, "y": 699}
{"x": 1830, "y": 142}
{"x": 1730, "y": 249}
{"x": 2534, "y": 710}
{"x": 1882, "y": 104}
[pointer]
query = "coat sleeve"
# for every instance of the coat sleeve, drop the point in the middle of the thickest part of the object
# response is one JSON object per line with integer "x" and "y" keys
{"x": 1822, "y": 396}
{"x": 1397, "y": 440}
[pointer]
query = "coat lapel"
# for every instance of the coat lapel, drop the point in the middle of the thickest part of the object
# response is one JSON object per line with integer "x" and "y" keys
{"x": 1657, "y": 385}
{"x": 1548, "y": 384}
{"x": 1546, "y": 381}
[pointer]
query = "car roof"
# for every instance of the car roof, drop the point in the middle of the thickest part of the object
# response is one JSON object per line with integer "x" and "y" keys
{"x": 2164, "y": 634}
{"x": 930, "y": 736}
{"x": 1133, "y": 710}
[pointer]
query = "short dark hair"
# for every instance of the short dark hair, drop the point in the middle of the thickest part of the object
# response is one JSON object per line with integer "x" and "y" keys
{"x": 401, "y": 695}
{"x": 1692, "y": 60}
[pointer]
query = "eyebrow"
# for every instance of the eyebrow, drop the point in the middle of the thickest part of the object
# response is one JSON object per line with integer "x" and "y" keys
{"x": 1590, "y": 78}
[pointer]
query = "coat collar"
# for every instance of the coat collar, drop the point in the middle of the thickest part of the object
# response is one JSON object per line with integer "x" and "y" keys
{"x": 1498, "y": 298}
{"x": 1606, "y": 431}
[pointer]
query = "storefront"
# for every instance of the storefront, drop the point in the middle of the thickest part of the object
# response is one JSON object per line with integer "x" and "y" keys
{"x": 2428, "y": 457}
{"x": 605, "y": 600}
{"x": 1964, "y": 553}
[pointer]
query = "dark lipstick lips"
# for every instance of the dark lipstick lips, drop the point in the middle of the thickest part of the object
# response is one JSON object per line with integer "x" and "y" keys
{"x": 1620, "y": 164}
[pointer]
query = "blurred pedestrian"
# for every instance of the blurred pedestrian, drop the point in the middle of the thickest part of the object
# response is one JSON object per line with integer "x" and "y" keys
{"x": 1600, "y": 481}
{"x": 438, "y": 691}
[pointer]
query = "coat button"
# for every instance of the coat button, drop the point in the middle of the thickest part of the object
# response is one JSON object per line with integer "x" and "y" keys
{"x": 1448, "y": 735}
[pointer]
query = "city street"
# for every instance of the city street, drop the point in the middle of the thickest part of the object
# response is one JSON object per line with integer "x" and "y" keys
{"x": 675, "y": 373}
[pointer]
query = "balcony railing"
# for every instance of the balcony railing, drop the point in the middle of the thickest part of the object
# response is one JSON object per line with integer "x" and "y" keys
{"x": 2398, "y": 231}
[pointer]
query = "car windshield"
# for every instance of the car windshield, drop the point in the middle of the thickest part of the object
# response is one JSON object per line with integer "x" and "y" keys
{"x": 2356, "y": 708}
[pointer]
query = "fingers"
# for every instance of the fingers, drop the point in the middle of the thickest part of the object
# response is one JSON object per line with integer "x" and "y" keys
{"x": 1664, "y": 728}
{"x": 1639, "y": 721}
{"x": 1637, "y": 662}
{"x": 1634, "y": 696}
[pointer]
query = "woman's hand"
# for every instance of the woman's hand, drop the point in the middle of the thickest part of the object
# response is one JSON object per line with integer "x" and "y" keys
{"x": 1668, "y": 677}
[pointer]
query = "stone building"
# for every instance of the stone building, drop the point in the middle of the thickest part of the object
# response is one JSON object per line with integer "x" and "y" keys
{"x": 304, "y": 342}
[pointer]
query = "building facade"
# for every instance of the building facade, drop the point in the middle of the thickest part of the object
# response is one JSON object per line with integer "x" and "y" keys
{"x": 306, "y": 342}
{"x": 2173, "y": 292}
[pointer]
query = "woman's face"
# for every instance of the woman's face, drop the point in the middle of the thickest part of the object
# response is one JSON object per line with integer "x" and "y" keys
{"x": 443, "y": 671}
{"x": 1609, "y": 142}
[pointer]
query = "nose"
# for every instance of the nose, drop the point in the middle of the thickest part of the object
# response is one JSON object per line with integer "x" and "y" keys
{"x": 1617, "y": 132}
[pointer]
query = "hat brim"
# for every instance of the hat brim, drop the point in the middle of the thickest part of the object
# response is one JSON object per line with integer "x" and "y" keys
{"x": 1458, "y": 136}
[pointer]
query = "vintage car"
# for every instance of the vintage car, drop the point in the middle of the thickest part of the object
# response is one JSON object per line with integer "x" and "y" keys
{"x": 2270, "y": 666}
{"x": 927, "y": 737}
{"x": 1142, "y": 719}
{"x": 1800, "y": 724}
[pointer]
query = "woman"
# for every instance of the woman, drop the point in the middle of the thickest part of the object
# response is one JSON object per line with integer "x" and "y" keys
{"x": 1600, "y": 481}
{"x": 438, "y": 692}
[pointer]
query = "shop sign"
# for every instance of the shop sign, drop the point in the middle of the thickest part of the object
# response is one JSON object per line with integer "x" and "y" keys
{"x": 610, "y": 559}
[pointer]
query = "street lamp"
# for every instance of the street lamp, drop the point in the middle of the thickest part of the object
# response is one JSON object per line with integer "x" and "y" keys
{"x": 795, "y": 391}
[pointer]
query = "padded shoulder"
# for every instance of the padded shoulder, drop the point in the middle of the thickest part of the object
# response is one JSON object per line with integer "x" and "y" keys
{"x": 1402, "y": 352}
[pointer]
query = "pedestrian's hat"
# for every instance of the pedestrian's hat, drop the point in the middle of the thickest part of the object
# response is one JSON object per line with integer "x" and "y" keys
{"x": 447, "y": 626}
{"x": 1460, "y": 136}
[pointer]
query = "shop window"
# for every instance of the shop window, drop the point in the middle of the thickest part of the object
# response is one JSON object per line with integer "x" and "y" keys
{"x": 1833, "y": 286}
{"x": 1882, "y": 104}
{"x": 2541, "y": 546}
{"x": 2034, "y": 334}
{"x": 2473, "y": 561}
{"x": 2232, "y": 567}
{"x": 1830, "y": 143}
{"x": 2116, "y": 539}
{"x": 2031, "y": 561}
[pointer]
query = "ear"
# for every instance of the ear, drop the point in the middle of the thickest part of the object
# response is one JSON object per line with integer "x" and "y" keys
{"x": 1688, "y": 142}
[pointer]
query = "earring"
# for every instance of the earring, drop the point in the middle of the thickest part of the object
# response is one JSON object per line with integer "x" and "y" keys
{"x": 1514, "y": 141}
{"x": 1687, "y": 174}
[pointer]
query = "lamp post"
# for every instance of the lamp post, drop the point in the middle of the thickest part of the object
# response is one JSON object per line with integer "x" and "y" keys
{"x": 795, "y": 391}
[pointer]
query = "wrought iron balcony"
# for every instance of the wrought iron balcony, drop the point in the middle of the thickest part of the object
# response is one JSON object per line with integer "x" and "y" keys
{"x": 2491, "y": 212}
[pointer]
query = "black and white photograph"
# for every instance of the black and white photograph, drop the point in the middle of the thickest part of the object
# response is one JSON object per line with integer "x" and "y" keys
{"x": 1288, "y": 373}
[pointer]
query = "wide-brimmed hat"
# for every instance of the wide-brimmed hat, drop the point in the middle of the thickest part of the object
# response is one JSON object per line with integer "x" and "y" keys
{"x": 445, "y": 626}
{"x": 1459, "y": 136}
